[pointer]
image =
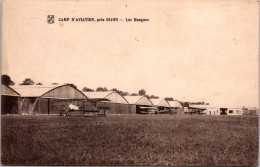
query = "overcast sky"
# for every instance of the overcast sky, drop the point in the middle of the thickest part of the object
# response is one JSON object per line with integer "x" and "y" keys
{"x": 201, "y": 50}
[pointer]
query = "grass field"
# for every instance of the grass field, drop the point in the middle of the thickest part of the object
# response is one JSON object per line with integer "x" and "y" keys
{"x": 130, "y": 140}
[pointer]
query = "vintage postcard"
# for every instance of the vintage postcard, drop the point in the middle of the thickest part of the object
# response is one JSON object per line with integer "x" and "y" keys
{"x": 140, "y": 82}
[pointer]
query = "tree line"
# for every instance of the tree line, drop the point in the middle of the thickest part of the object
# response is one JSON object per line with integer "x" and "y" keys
{"x": 141, "y": 92}
{"x": 6, "y": 80}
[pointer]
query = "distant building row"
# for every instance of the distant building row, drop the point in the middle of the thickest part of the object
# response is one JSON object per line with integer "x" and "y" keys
{"x": 39, "y": 99}
{"x": 211, "y": 110}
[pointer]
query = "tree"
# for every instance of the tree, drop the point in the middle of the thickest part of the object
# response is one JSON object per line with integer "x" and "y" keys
{"x": 153, "y": 97}
{"x": 125, "y": 94}
{"x": 6, "y": 80}
{"x": 55, "y": 83}
{"x": 72, "y": 85}
{"x": 142, "y": 92}
{"x": 169, "y": 99}
{"x": 122, "y": 93}
{"x": 86, "y": 89}
{"x": 100, "y": 89}
{"x": 115, "y": 90}
{"x": 185, "y": 104}
{"x": 134, "y": 94}
{"x": 27, "y": 81}
{"x": 39, "y": 83}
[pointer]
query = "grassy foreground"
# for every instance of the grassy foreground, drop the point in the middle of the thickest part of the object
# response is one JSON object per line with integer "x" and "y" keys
{"x": 130, "y": 140}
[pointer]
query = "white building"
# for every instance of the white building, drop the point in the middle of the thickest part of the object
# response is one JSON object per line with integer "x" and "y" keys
{"x": 211, "y": 110}
{"x": 234, "y": 111}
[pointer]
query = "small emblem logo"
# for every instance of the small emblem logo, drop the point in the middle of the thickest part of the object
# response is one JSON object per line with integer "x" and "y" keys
{"x": 50, "y": 19}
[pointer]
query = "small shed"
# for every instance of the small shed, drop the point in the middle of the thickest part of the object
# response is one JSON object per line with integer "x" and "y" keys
{"x": 212, "y": 111}
{"x": 140, "y": 104}
{"x": 9, "y": 100}
{"x": 253, "y": 111}
{"x": 230, "y": 111}
{"x": 117, "y": 104}
{"x": 40, "y": 99}
{"x": 234, "y": 111}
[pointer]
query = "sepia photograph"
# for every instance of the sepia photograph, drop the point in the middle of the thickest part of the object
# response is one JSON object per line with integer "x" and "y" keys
{"x": 130, "y": 83}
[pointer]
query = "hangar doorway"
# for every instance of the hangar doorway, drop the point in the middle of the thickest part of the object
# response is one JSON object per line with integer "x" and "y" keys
{"x": 9, "y": 104}
{"x": 223, "y": 111}
{"x": 144, "y": 109}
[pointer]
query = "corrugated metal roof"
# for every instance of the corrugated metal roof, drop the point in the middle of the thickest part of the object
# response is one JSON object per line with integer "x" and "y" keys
{"x": 112, "y": 96}
{"x": 8, "y": 91}
{"x": 175, "y": 104}
{"x": 97, "y": 95}
{"x": 132, "y": 99}
{"x": 32, "y": 90}
{"x": 48, "y": 91}
{"x": 138, "y": 100}
{"x": 160, "y": 102}
{"x": 156, "y": 101}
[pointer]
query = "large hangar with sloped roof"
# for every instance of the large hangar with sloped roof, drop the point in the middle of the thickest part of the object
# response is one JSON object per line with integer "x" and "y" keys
{"x": 137, "y": 103}
{"x": 176, "y": 106}
{"x": 39, "y": 99}
{"x": 117, "y": 103}
{"x": 9, "y": 100}
{"x": 161, "y": 104}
